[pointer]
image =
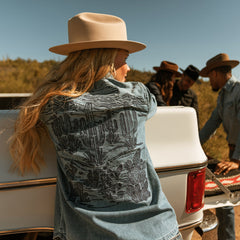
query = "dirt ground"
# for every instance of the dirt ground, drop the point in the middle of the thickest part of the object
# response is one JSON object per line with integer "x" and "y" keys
{"x": 213, "y": 234}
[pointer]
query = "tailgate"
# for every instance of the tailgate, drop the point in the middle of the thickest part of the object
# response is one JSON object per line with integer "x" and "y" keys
{"x": 221, "y": 190}
{"x": 219, "y": 200}
{"x": 26, "y": 202}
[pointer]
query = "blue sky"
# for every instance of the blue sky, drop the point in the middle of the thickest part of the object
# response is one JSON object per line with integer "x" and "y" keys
{"x": 182, "y": 31}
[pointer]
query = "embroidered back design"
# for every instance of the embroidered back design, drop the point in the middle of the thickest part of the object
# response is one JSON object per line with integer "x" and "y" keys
{"x": 100, "y": 151}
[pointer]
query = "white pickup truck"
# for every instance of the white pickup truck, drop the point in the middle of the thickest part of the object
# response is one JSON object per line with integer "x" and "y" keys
{"x": 27, "y": 203}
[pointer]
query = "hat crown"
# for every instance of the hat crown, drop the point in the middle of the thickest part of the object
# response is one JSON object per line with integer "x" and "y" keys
{"x": 168, "y": 66}
{"x": 218, "y": 59}
{"x": 96, "y": 30}
{"x": 192, "y": 72}
{"x": 96, "y": 27}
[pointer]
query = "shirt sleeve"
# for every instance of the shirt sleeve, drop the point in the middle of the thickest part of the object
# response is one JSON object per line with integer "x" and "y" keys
{"x": 151, "y": 101}
{"x": 195, "y": 102}
{"x": 210, "y": 126}
{"x": 236, "y": 153}
{"x": 47, "y": 113}
{"x": 153, "y": 88}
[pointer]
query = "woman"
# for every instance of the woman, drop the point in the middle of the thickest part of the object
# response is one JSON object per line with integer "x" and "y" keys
{"x": 107, "y": 187}
{"x": 161, "y": 83}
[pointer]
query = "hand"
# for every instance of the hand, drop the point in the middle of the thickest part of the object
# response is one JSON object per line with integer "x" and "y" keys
{"x": 227, "y": 166}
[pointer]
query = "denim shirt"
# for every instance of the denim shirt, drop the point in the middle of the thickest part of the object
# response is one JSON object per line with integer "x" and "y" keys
{"x": 107, "y": 187}
{"x": 226, "y": 112}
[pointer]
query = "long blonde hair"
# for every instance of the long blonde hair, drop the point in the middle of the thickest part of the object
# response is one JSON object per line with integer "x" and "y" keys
{"x": 72, "y": 77}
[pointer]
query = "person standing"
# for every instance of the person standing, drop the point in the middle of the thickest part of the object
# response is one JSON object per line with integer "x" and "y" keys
{"x": 107, "y": 187}
{"x": 161, "y": 83}
{"x": 219, "y": 70}
{"x": 182, "y": 94}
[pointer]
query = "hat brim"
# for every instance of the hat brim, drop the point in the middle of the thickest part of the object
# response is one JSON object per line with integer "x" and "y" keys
{"x": 130, "y": 46}
{"x": 178, "y": 74}
{"x": 205, "y": 71}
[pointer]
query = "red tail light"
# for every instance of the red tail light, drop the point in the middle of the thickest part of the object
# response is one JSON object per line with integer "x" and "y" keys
{"x": 195, "y": 190}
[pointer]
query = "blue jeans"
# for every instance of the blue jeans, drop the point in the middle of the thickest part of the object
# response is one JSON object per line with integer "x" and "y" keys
{"x": 226, "y": 228}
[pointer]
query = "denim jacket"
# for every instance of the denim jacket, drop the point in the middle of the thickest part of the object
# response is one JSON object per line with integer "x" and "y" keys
{"x": 226, "y": 112}
{"x": 107, "y": 187}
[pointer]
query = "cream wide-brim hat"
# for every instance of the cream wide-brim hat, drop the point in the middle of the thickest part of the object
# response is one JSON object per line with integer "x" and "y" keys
{"x": 94, "y": 30}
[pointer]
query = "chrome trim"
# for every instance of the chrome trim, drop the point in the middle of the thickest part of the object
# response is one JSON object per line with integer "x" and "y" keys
{"x": 51, "y": 181}
{"x": 2, "y": 95}
{"x": 50, "y": 229}
{"x": 27, "y": 183}
{"x": 182, "y": 167}
{"x": 193, "y": 225}
{"x": 27, "y": 230}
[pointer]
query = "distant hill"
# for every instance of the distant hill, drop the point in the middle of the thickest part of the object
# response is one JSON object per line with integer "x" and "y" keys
{"x": 22, "y": 76}
{"x": 18, "y": 76}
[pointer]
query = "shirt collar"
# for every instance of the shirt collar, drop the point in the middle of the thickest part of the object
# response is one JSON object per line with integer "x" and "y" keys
{"x": 230, "y": 84}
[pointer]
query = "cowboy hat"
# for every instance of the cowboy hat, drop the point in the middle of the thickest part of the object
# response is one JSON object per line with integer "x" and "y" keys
{"x": 219, "y": 60}
{"x": 192, "y": 72}
{"x": 94, "y": 30}
{"x": 169, "y": 67}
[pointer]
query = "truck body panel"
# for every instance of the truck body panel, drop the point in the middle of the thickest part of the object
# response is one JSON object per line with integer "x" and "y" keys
{"x": 27, "y": 202}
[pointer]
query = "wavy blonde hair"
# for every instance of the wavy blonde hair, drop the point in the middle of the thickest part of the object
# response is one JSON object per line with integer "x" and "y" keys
{"x": 72, "y": 77}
